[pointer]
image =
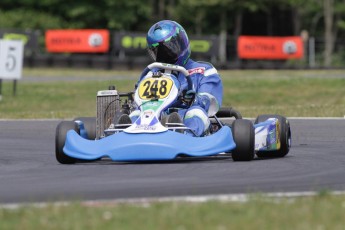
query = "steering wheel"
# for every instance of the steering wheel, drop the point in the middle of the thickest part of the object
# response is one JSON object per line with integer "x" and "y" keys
{"x": 173, "y": 68}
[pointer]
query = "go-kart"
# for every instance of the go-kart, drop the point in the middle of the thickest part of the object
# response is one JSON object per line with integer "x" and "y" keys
{"x": 152, "y": 138}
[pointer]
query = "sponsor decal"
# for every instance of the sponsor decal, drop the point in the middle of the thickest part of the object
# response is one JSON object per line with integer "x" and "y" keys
{"x": 278, "y": 134}
{"x": 289, "y": 47}
{"x": 29, "y": 38}
{"x": 134, "y": 42}
{"x": 145, "y": 127}
{"x": 200, "y": 70}
{"x": 148, "y": 114}
{"x": 272, "y": 137}
{"x": 200, "y": 46}
{"x": 16, "y": 36}
{"x": 106, "y": 93}
{"x": 77, "y": 41}
{"x": 265, "y": 47}
{"x": 95, "y": 40}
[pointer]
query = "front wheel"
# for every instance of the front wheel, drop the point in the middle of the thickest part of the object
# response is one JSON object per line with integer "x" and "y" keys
{"x": 285, "y": 136}
{"x": 89, "y": 125}
{"x": 60, "y": 138}
{"x": 243, "y": 134}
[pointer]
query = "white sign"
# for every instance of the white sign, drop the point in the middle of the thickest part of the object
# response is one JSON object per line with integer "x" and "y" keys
{"x": 11, "y": 59}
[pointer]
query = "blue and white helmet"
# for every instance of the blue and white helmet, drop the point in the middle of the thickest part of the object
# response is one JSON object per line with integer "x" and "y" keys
{"x": 168, "y": 42}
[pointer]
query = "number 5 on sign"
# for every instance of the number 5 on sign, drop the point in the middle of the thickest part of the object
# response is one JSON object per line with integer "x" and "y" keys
{"x": 11, "y": 59}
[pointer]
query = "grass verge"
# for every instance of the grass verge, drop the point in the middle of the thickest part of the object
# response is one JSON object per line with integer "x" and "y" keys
{"x": 318, "y": 212}
{"x": 71, "y": 93}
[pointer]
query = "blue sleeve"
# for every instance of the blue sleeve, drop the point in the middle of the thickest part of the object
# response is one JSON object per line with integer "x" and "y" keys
{"x": 209, "y": 91}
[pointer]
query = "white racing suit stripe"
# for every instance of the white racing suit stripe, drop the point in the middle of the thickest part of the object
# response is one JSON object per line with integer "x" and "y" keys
{"x": 214, "y": 105}
{"x": 211, "y": 71}
{"x": 195, "y": 112}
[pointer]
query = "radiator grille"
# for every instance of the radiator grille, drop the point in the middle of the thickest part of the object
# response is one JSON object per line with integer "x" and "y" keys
{"x": 107, "y": 104}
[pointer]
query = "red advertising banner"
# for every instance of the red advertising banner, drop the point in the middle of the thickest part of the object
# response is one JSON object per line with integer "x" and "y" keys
{"x": 77, "y": 41}
{"x": 262, "y": 47}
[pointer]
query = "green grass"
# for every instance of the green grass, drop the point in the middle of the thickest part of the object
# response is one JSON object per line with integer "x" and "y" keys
{"x": 319, "y": 212}
{"x": 290, "y": 93}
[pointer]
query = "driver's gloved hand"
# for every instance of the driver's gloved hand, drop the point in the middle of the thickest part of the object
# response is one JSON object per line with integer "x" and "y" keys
{"x": 188, "y": 96}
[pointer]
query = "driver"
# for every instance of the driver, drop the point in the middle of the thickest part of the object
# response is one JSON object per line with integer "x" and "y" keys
{"x": 168, "y": 42}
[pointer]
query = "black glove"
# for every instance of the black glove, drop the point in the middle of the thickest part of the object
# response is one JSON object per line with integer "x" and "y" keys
{"x": 188, "y": 96}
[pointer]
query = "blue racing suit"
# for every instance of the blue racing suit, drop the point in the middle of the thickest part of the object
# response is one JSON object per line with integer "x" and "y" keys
{"x": 208, "y": 89}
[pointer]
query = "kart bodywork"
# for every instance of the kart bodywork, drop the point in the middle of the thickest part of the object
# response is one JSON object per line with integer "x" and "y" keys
{"x": 149, "y": 139}
{"x": 138, "y": 147}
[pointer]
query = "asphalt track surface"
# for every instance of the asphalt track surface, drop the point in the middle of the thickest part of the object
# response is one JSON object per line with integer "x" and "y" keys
{"x": 30, "y": 173}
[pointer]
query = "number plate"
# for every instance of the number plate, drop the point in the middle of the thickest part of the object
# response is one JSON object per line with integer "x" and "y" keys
{"x": 155, "y": 88}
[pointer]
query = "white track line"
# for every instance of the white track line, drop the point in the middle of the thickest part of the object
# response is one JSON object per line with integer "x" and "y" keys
{"x": 242, "y": 197}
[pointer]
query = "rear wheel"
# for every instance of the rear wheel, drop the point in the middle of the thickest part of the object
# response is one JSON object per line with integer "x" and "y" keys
{"x": 285, "y": 136}
{"x": 60, "y": 138}
{"x": 243, "y": 134}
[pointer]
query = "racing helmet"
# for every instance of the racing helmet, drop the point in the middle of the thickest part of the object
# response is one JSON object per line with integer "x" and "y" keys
{"x": 168, "y": 42}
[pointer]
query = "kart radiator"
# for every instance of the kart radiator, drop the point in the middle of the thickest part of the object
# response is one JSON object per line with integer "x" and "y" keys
{"x": 108, "y": 102}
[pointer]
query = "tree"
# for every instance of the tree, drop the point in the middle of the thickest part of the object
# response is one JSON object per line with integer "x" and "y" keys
{"x": 328, "y": 9}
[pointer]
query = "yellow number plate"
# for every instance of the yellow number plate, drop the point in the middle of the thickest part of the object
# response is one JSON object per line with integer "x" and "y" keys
{"x": 155, "y": 88}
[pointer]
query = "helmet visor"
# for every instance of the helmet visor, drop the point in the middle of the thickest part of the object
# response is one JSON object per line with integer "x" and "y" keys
{"x": 168, "y": 51}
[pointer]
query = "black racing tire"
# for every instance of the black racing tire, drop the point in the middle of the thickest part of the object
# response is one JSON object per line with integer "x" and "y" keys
{"x": 285, "y": 136}
{"x": 164, "y": 120}
{"x": 60, "y": 138}
{"x": 243, "y": 134}
{"x": 227, "y": 112}
{"x": 90, "y": 126}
